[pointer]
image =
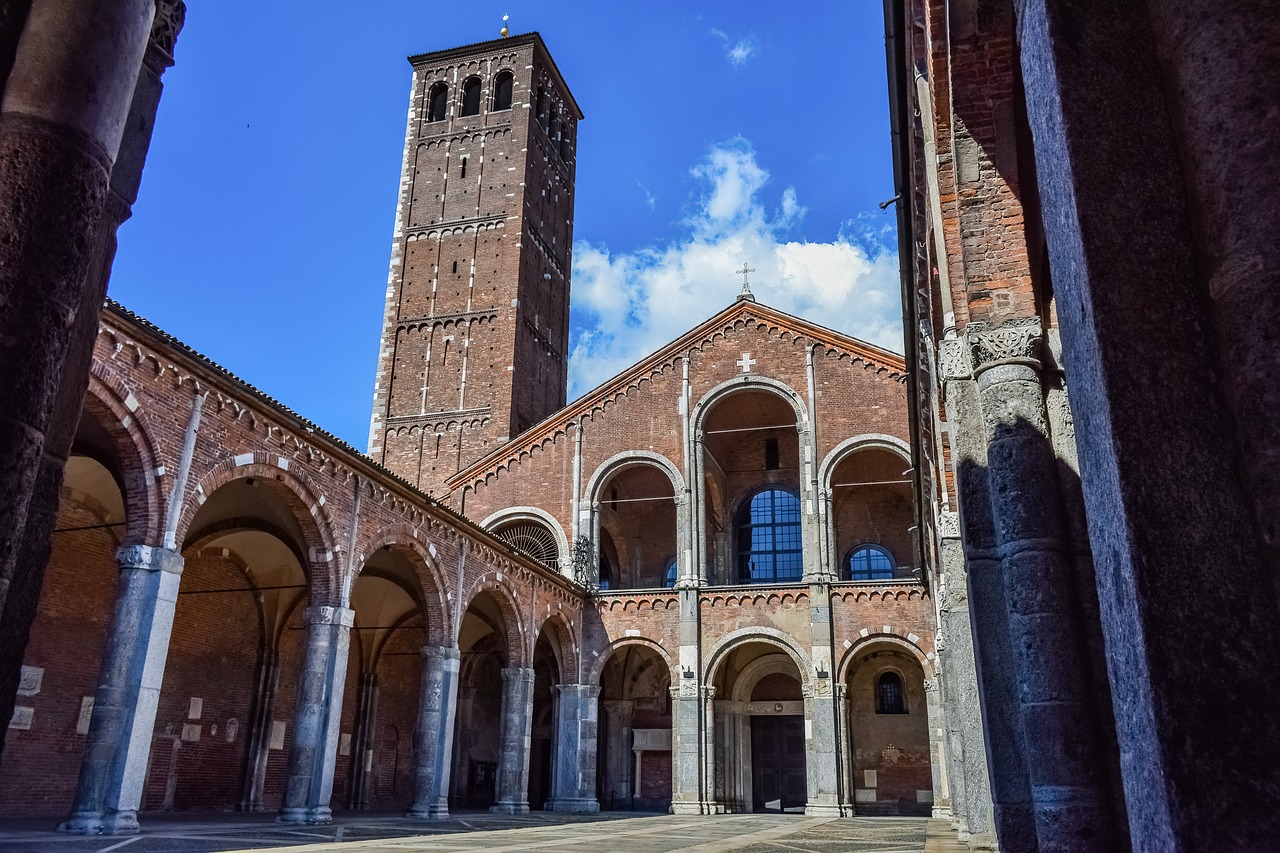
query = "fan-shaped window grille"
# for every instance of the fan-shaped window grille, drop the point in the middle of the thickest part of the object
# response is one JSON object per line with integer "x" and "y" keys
{"x": 533, "y": 539}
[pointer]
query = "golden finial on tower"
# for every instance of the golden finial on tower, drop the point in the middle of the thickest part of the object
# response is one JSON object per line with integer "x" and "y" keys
{"x": 504, "y": 25}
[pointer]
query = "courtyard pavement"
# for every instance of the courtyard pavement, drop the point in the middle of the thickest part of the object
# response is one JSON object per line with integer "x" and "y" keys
{"x": 467, "y": 833}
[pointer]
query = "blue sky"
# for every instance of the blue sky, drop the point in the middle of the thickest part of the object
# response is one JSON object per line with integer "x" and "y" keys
{"x": 714, "y": 132}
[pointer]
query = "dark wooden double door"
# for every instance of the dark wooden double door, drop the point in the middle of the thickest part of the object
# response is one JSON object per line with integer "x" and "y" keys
{"x": 777, "y": 764}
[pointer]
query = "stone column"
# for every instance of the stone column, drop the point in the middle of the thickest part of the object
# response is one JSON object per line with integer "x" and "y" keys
{"x": 114, "y": 766}
{"x": 436, "y": 717}
{"x": 820, "y": 711}
{"x": 573, "y": 788}
{"x": 315, "y": 735}
{"x": 686, "y": 748}
{"x": 844, "y": 753}
{"x": 1014, "y": 820}
{"x": 512, "y": 783}
{"x": 258, "y": 730}
{"x": 937, "y": 749}
{"x": 618, "y": 750}
{"x": 363, "y": 740}
{"x": 65, "y": 110}
{"x": 1151, "y": 100}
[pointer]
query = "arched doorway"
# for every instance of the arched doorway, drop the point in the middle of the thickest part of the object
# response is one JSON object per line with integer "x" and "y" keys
{"x": 889, "y": 733}
{"x": 634, "y": 757}
{"x": 760, "y": 731}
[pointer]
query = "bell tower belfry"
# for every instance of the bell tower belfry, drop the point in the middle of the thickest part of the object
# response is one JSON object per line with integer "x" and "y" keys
{"x": 475, "y": 335}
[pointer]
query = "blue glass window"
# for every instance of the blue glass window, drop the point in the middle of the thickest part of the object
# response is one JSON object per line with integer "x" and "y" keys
{"x": 870, "y": 563}
{"x": 769, "y": 541}
{"x": 889, "y": 698}
{"x": 669, "y": 574}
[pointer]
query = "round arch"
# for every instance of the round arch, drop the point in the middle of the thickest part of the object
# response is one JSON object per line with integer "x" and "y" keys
{"x": 758, "y": 669}
{"x": 866, "y": 441}
{"x": 432, "y": 586}
{"x": 513, "y": 627}
{"x": 627, "y": 459}
{"x": 597, "y": 667}
{"x": 144, "y": 494}
{"x": 539, "y": 516}
{"x": 748, "y": 382}
{"x": 770, "y": 636}
{"x": 324, "y": 573}
{"x": 871, "y": 641}
{"x": 565, "y": 646}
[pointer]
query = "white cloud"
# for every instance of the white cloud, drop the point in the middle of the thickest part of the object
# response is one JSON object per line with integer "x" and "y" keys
{"x": 739, "y": 51}
{"x": 627, "y": 305}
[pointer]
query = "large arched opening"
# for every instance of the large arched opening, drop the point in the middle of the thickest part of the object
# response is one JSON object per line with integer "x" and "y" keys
{"x": 872, "y": 513}
{"x": 547, "y": 677}
{"x": 634, "y": 747}
{"x": 485, "y": 650}
{"x": 635, "y": 505}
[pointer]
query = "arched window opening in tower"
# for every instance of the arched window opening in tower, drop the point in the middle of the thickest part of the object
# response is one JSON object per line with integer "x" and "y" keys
{"x": 471, "y": 96}
{"x": 464, "y": 167}
{"x": 533, "y": 539}
{"x": 869, "y": 563}
{"x": 437, "y": 102}
{"x": 770, "y": 546}
{"x": 889, "y": 698}
{"x": 502, "y": 89}
{"x": 542, "y": 107}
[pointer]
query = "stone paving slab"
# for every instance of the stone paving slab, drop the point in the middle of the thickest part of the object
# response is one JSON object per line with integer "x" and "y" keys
{"x": 468, "y": 833}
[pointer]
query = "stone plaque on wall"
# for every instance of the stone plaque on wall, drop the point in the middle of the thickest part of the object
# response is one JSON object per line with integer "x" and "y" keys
{"x": 278, "y": 729}
{"x": 344, "y": 744}
{"x": 86, "y": 714}
{"x": 22, "y": 718}
{"x": 645, "y": 740}
{"x": 191, "y": 732}
{"x": 30, "y": 680}
{"x": 195, "y": 708}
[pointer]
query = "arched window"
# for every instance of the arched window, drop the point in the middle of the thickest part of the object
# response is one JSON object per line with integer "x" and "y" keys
{"x": 533, "y": 538}
{"x": 769, "y": 540}
{"x": 564, "y": 143}
{"x": 889, "y": 698}
{"x": 437, "y": 102}
{"x": 669, "y": 574}
{"x": 471, "y": 96}
{"x": 542, "y": 107}
{"x": 502, "y": 86}
{"x": 869, "y": 563}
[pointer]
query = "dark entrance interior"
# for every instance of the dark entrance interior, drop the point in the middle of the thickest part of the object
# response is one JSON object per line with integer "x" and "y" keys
{"x": 777, "y": 764}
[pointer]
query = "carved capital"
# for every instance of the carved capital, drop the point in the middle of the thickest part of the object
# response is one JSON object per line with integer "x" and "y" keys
{"x": 954, "y": 361}
{"x": 324, "y": 615}
{"x": 1013, "y": 342}
{"x": 948, "y": 525}
{"x": 149, "y": 559}
{"x": 170, "y": 15}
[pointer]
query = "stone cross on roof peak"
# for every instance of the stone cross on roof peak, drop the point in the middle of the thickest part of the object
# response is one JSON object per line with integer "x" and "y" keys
{"x": 746, "y": 293}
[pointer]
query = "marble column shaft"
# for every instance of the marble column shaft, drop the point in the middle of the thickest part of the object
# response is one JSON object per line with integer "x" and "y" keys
{"x": 511, "y": 787}
{"x": 319, "y": 712}
{"x": 573, "y": 785}
{"x": 436, "y": 718}
{"x": 114, "y": 766}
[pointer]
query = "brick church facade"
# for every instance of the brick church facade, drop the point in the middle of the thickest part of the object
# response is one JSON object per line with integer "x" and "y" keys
{"x": 697, "y": 587}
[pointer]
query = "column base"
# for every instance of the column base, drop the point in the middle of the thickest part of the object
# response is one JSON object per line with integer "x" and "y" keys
{"x": 824, "y": 810}
{"x": 985, "y": 841}
{"x": 567, "y": 805}
{"x": 308, "y": 815}
{"x": 509, "y": 808}
{"x": 430, "y": 811}
{"x": 101, "y": 823}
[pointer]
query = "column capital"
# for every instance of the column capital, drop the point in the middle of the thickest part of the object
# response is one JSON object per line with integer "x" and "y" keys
{"x": 1012, "y": 342}
{"x": 948, "y": 525}
{"x": 149, "y": 558}
{"x": 323, "y": 614}
{"x": 440, "y": 652}
{"x": 580, "y": 691}
{"x": 517, "y": 674}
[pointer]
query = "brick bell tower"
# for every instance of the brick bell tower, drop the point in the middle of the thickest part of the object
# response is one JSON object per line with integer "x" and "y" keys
{"x": 475, "y": 336}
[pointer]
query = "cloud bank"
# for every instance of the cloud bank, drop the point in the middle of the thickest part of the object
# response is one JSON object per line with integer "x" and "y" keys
{"x": 626, "y": 305}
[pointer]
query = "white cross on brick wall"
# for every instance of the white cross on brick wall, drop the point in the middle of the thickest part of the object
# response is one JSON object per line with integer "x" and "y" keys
{"x": 745, "y": 362}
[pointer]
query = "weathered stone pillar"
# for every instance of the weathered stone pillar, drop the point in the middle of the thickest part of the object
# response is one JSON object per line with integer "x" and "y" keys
{"x": 573, "y": 788}
{"x": 512, "y": 784}
{"x": 1014, "y": 819}
{"x": 65, "y": 103}
{"x": 363, "y": 740}
{"x": 844, "y": 754}
{"x": 258, "y": 730}
{"x": 1169, "y": 478}
{"x": 436, "y": 718}
{"x": 618, "y": 750}
{"x": 937, "y": 747}
{"x": 688, "y": 720}
{"x": 821, "y": 767}
{"x": 962, "y": 712}
{"x": 315, "y": 735}
{"x": 124, "y": 707}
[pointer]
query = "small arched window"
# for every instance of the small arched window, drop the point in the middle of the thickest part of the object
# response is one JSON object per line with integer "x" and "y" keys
{"x": 606, "y": 572}
{"x": 768, "y": 536}
{"x": 869, "y": 563}
{"x": 502, "y": 87}
{"x": 542, "y": 107}
{"x": 564, "y": 144}
{"x": 471, "y": 96}
{"x": 669, "y": 574}
{"x": 889, "y": 698}
{"x": 437, "y": 102}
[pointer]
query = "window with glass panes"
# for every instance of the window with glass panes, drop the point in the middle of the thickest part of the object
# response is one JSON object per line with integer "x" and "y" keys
{"x": 870, "y": 563}
{"x": 769, "y": 539}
